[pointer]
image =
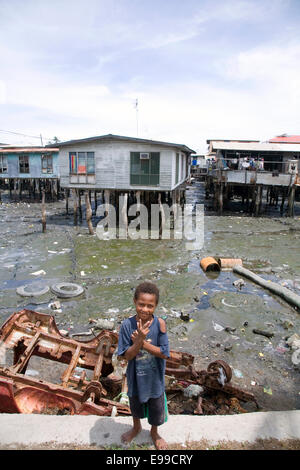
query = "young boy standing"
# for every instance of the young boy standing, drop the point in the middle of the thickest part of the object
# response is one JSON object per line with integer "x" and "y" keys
{"x": 143, "y": 341}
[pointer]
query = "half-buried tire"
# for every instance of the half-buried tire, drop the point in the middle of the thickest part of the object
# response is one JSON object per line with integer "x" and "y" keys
{"x": 66, "y": 290}
{"x": 32, "y": 291}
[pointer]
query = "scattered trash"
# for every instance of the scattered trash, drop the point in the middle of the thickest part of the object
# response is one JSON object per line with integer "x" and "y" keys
{"x": 64, "y": 332}
{"x": 281, "y": 348}
{"x": 102, "y": 324}
{"x": 82, "y": 273}
{"x": 263, "y": 333}
{"x": 229, "y": 329}
{"x": 222, "y": 377}
{"x": 296, "y": 357}
{"x": 184, "y": 316}
{"x": 268, "y": 390}
{"x": 294, "y": 341}
{"x": 261, "y": 354}
{"x": 239, "y": 284}
{"x": 113, "y": 310}
{"x": 209, "y": 264}
{"x": 55, "y": 305}
{"x": 253, "y": 383}
{"x": 123, "y": 398}
{"x": 228, "y": 347}
{"x": 228, "y": 305}
{"x": 104, "y": 266}
{"x": 286, "y": 324}
{"x": 238, "y": 373}
{"x": 217, "y": 327}
{"x": 245, "y": 323}
{"x": 39, "y": 273}
{"x": 193, "y": 391}
{"x": 229, "y": 263}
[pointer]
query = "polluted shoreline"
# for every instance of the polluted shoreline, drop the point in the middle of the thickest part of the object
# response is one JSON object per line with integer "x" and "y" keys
{"x": 206, "y": 316}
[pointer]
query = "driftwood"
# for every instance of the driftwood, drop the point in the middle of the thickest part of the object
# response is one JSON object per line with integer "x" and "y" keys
{"x": 263, "y": 333}
{"x": 283, "y": 292}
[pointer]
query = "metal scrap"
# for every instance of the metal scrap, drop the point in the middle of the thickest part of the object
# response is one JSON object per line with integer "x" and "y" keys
{"x": 28, "y": 333}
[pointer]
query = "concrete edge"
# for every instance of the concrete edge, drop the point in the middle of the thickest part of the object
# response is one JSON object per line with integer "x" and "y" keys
{"x": 32, "y": 429}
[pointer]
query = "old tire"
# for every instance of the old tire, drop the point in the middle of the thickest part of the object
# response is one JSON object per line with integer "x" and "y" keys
{"x": 67, "y": 290}
{"x": 32, "y": 291}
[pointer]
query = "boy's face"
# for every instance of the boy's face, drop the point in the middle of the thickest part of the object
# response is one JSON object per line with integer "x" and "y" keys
{"x": 145, "y": 305}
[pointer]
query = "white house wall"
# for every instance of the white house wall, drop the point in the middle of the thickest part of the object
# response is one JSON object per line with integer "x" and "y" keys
{"x": 112, "y": 165}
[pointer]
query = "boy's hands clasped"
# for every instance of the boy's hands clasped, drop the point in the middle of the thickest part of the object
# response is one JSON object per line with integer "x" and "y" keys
{"x": 140, "y": 334}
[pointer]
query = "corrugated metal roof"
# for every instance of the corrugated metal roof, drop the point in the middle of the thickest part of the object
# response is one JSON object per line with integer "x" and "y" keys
{"x": 122, "y": 138}
{"x": 28, "y": 150}
{"x": 259, "y": 147}
{"x": 287, "y": 139}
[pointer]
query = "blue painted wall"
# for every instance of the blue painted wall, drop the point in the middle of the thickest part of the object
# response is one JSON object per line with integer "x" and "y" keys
{"x": 35, "y": 165}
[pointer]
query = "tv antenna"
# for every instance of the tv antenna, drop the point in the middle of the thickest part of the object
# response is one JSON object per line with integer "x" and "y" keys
{"x": 137, "y": 116}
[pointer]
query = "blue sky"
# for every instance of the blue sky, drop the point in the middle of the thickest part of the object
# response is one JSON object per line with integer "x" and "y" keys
{"x": 199, "y": 69}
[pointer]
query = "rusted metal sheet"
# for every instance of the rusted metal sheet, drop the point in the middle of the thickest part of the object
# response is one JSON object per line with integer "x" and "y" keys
{"x": 30, "y": 333}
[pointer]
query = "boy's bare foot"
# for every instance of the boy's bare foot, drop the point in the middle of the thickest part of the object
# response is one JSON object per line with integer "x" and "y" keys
{"x": 158, "y": 441}
{"x": 129, "y": 435}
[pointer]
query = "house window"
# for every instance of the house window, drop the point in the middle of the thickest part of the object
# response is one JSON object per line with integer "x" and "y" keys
{"x": 144, "y": 168}
{"x": 3, "y": 164}
{"x": 47, "y": 164}
{"x": 24, "y": 164}
{"x": 82, "y": 163}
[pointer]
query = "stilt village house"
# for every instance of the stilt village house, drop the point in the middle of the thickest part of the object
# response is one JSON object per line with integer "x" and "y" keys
{"x": 29, "y": 168}
{"x": 122, "y": 163}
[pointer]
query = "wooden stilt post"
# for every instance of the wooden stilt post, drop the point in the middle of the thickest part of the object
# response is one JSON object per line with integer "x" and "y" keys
{"x": 124, "y": 213}
{"x": 20, "y": 188}
{"x": 75, "y": 201}
{"x": 107, "y": 200}
{"x": 67, "y": 200}
{"x": 15, "y": 189}
{"x": 220, "y": 202}
{"x": 282, "y": 201}
{"x": 290, "y": 211}
{"x": 96, "y": 205}
{"x": 79, "y": 204}
{"x": 162, "y": 218}
{"x": 257, "y": 201}
{"x": 43, "y": 210}
{"x": 261, "y": 190}
{"x": 88, "y": 212}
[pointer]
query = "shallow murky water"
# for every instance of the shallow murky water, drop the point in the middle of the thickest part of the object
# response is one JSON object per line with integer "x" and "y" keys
{"x": 110, "y": 270}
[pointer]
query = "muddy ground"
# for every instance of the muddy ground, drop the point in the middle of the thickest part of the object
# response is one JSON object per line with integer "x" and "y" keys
{"x": 110, "y": 270}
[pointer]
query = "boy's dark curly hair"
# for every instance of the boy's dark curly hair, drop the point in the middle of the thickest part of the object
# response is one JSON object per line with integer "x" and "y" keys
{"x": 147, "y": 288}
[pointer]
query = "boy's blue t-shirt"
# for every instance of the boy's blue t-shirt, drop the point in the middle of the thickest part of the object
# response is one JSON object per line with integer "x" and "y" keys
{"x": 145, "y": 373}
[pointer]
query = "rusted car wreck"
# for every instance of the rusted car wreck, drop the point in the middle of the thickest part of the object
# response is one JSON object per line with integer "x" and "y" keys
{"x": 28, "y": 333}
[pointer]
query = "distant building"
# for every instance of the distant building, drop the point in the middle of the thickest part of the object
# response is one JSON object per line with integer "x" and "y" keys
{"x": 275, "y": 155}
{"x": 30, "y": 169}
{"x": 285, "y": 139}
{"x": 28, "y": 163}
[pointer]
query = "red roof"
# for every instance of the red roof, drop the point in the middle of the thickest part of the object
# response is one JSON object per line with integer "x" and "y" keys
{"x": 286, "y": 139}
